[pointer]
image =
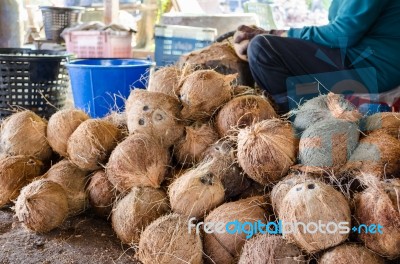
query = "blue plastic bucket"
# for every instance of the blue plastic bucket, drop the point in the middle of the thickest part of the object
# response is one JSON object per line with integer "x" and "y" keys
{"x": 100, "y": 86}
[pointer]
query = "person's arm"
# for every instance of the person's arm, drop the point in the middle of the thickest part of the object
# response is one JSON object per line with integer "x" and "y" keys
{"x": 352, "y": 22}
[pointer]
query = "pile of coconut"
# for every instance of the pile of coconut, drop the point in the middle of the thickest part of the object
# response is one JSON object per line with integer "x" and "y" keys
{"x": 194, "y": 150}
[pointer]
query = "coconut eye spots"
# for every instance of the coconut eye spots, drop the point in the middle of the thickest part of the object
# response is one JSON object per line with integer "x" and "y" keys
{"x": 141, "y": 121}
{"x": 311, "y": 186}
{"x": 146, "y": 108}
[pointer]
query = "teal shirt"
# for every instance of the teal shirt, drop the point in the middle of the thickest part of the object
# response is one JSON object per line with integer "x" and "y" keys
{"x": 367, "y": 28}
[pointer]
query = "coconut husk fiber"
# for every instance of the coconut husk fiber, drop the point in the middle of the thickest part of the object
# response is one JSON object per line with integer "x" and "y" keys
{"x": 155, "y": 114}
{"x": 197, "y": 191}
{"x": 267, "y": 249}
{"x": 15, "y": 173}
{"x": 24, "y": 133}
{"x": 118, "y": 119}
{"x": 241, "y": 112}
{"x": 101, "y": 194}
{"x": 314, "y": 201}
{"x": 61, "y": 126}
{"x": 266, "y": 150}
{"x": 325, "y": 107}
{"x": 377, "y": 154}
{"x": 380, "y": 204}
{"x": 328, "y": 143}
{"x": 198, "y": 137}
{"x": 73, "y": 180}
{"x": 165, "y": 80}
{"x": 350, "y": 253}
{"x": 167, "y": 240}
{"x": 42, "y": 206}
{"x": 387, "y": 123}
{"x": 138, "y": 161}
{"x": 222, "y": 58}
{"x": 226, "y": 248}
{"x": 137, "y": 210}
{"x": 203, "y": 92}
{"x": 222, "y": 158}
{"x": 91, "y": 143}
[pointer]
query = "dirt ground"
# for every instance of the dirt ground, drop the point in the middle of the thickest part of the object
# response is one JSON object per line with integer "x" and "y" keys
{"x": 81, "y": 239}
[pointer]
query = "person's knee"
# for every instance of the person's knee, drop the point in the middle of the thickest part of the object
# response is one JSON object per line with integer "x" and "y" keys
{"x": 259, "y": 48}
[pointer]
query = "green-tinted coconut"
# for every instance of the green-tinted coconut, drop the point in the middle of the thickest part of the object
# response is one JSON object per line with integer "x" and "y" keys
{"x": 388, "y": 123}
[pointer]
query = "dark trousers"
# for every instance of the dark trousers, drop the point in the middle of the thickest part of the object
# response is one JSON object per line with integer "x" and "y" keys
{"x": 274, "y": 59}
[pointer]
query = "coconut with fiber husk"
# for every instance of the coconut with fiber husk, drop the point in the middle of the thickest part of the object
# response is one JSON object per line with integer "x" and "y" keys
{"x": 266, "y": 150}
{"x": 61, "y": 126}
{"x": 377, "y": 154}
{"x": 225, "y": 247}
{"x": 155, "y": 114}
{"x": 387, "y": 123}
{"x": 91, "y": 143}
{"x": 118, "y": 119}
{"x": 241, "y": 112}
{"x": 101, "y": 194}
{"x": 222, "y": 58}
{"x": 165, "y": 80}
{"x": 267, "y": 249}
{"x": 169, "y": 240}
{"x": 223, "y": 160}
{"x": 325, "y": 107}
{"x": 312, "y": 203}
{"x": 24, "y": 133}
{"x": 42, "y": 206}
{"x": 138, "y": 161}
{"x": 137, "y": 210}
{"x": 350, "y": 253}
{"x": 197, "y": 191}
{"x": 73, "y": 180}
{"x": 328, "y": 143}
{"x": 379, "y": 205}
{"x": 198, "y": 137}
{"x": 15, "y": 173}
{"x": 203, "y": 92}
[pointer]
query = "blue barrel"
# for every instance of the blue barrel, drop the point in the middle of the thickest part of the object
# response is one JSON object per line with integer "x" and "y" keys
{"x": 100, "y": 86}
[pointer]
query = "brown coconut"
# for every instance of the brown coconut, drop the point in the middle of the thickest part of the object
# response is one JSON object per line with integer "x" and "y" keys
{"x": 101, "y": 194}
{"x": 155, "y": 114}
{"x": 225, "y": 247}
{"x": 350, "y": 253}
{"x": 118, "y": 119}
{"x": 198, "y": 137}
{"x": 24, "y": 133}
{"x": 165, "y": 80}
{"x": 196, "y": 192}
{"x": 379, "y": 204}
{"x": 267, "y": 249}
{"x": 167, "y": 240}
{"x": 60, "y": 127}
{"x": 42, "y": 206}
{"x": 92, "y": 142}
{"x": 137, "y": 210}
{"x": 266, "y": 150}
{"x": 15, "y": 173}
{"x": 387, "y": 123}
{"x": 377, "y": 154}
{"x": 314, "y": 202}
{"x": 203, "y": 92}
{"x": 223, "y": 161}
{"x": 242, "y": 112}
{"x": 73, "y": 180}
{"x": 138, "y": 161}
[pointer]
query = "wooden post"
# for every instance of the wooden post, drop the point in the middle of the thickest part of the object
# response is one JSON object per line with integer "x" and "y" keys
{"x": 111, "y": 8}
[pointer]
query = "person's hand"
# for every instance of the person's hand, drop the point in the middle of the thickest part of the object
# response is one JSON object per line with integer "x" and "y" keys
{"x": 242, "y": 37}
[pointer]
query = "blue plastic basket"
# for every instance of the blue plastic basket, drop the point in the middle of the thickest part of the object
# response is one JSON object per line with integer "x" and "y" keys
{"x": 100, "y": 86}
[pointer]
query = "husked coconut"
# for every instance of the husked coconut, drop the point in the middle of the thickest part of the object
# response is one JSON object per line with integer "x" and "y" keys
{"x": 155, "y": 114}
{"x": 242, "y": 112}
{"x": 169, "y": 240}
{"x": 61, "y": 126}
{"x": 91, "y": 143}
{"x": 165, "y": 80}
{"x": 24, "y": 133}
{"x": 386, "y": 123}
{"x": 15, "y": 173}
{"x": 42, "y": 206}
{"x": 350, "y": 253}
{"x": 138, "y": 161}
{"x": 266, "y": 150}
{"x": 137, "y": 210}
{"x": 101, "y": 194}
{"x": 118, "y": 119}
